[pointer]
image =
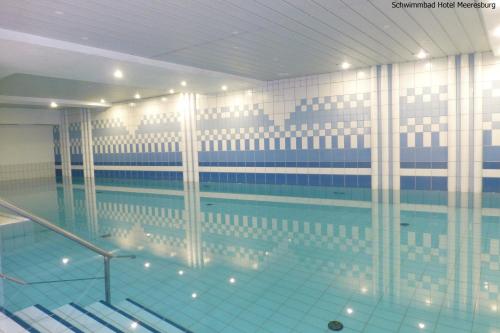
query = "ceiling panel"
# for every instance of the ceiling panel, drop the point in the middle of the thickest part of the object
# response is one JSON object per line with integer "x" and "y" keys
{"x": 259, "y": 39}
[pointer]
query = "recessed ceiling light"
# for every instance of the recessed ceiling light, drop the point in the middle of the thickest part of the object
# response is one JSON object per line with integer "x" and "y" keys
{"x": 232, "y": 280}
{"x": 421, "y": 54}
{"x": 164, "y": 99}
{"x": 65, "y": 261}
{"x": 194, "y": 295}
{"x": 183, "y": 83}
{"x": 224, "y": 88}
{"x": 53, "y": 105}
{"x": 118, "y": 74}
{"x": 496, "y": 32}
{"x": 171, "y": 91}
{"x": 147, "y": 264}
{"x": 137, "y": 96}
{"x": 421, "y": 326}
{"x": 181, "y": 272}
{"x": 134, "y": 325}
{"x": 349, "y": 311}
{"x": 103, "y": 101}
{"x": 345, "y": 65}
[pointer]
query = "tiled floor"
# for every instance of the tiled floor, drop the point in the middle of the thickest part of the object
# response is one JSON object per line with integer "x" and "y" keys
{"x": 257, "y": 260}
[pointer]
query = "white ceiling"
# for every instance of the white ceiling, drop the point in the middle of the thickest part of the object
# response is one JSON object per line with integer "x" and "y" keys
{"x": 262, "y": 39}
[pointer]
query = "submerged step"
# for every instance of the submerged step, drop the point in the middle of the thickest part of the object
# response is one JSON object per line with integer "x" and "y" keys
{"x": 120, "y": 318}
{"x": 11, "y": 323}
{"x": 151, "y": 317}
{"x": 85, "y": 320}
{"x": 46, "y": 321}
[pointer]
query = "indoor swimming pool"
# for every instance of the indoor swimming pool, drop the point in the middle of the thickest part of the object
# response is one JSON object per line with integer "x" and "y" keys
{"x": 259, "y": 258}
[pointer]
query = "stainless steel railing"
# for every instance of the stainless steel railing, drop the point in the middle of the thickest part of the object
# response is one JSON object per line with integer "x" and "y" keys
{"x": 45, "y": 223}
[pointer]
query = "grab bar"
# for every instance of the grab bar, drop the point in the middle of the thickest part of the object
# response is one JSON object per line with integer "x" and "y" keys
{"x": 13, "y": 279}
{"x": 45, "y": 223}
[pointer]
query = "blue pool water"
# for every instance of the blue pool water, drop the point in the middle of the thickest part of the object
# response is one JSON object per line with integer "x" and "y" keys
{"x": 255, "y": 258}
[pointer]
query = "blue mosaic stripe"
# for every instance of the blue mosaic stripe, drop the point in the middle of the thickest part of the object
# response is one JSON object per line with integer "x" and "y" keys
{"x": 360, "y": 165}
{"x": 358, "y": 181}
{"x": 93, "y": 316}
{"x": 125, "y": 314}
{"x": 165, "y": 175}
{"x": 139, "y": 163}
{"x": 491, "y": 184}
{"x": 159, "y": 316}
{"x": 424, "y": 165}
{"x": 424, "y": 183}
{"x": 18, "y": 320}
{"x": 57, "y": 318}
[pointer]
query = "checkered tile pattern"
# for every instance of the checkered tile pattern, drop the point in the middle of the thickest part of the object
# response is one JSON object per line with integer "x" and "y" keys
{"x": 339, "y": 122}
{"x": 491, "y": 114}
{"x": 155, "y": 134}
{"x": 423, "y": 112}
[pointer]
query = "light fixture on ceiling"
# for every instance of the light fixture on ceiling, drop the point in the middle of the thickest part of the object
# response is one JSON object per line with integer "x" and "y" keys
{"x": 349, "y": 311}
{"x": 134, "y": 325}
{"x": 496, "y": 32}
{"x": 171, "y": 91}
{"x": 131, "y": 104}
{"x": 421, "y": 326}
{"x": 147, "y": 264}
{"x": 164, "y": 99}
{"x": 345, "y": 65}
{"x": 181, "y": 272}
{"x": 194, "y": 295}
{"x": 183, "y": 83}
{"x": 118, "y": 74}
{"x": 137, "y": 96}
{"x": 53, "y": 105}
{"x": 421, "y": 54}
{"x": 224, "y": 88}
{"x": 103, "y": 101}
{"x": 65, "y": 261}
{"x": 232, "y": 280}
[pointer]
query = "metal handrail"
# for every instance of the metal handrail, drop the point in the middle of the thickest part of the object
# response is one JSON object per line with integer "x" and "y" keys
{"x": 45, "y": 223}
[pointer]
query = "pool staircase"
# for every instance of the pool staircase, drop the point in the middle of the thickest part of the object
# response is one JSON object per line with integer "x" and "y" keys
{"x": 99, "y": 317}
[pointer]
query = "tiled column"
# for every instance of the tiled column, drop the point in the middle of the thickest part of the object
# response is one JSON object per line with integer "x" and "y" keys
{"x": 65, "y": 145}
{"x": 385, "y": 126}
{"x": 187, "y": 110}
{"x": 87, "y": 151}
{"x": 477, "y": 156}
{"x": 375, "y": 120}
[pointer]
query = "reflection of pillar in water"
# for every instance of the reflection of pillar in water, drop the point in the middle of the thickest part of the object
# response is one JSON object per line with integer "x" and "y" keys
{"x": 69, "y": 205}
{"x": 395, "y": 209}
{"x": 451, "y": 268}
{"x": 192, "y": 220}
{"x": 91, "y": 206}
{"x": 476, "y": 244}
{"x": 375, "y": 242}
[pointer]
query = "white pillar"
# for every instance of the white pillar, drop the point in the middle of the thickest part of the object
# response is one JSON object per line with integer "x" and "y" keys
{"x": 65, "y": 145}
{"x": 187, "y": 116}
{"x": 87, "y": 151}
